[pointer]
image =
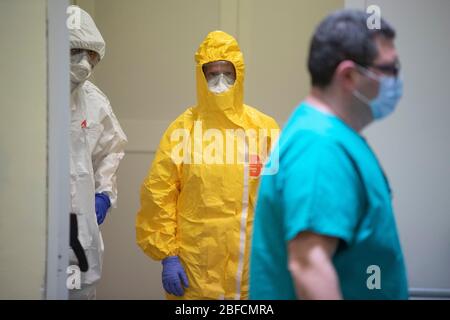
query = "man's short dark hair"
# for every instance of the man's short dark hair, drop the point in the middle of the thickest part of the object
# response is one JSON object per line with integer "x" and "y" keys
{"x": 343, "y": 35}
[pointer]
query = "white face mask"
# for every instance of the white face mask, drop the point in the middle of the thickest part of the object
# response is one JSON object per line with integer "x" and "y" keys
{"x": 80, "y": 68}
{"x": 220, "y": 83}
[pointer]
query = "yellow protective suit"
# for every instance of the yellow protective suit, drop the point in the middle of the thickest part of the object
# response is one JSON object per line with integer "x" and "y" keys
{"x": 202, "y": 211}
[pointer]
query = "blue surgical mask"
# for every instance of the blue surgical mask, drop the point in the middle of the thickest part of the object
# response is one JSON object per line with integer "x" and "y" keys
{"x": 389, "y": 94}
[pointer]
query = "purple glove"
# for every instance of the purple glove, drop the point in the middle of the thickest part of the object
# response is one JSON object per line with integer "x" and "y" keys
{"x": 173, "y": 276}
{"x": 102, "y": 204}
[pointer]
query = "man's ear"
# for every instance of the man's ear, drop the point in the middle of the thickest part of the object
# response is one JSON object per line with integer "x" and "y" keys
{"x": 346, "y": 75}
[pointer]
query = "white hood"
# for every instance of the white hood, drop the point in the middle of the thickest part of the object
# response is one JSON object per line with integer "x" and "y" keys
{"x": 87, "y": 36}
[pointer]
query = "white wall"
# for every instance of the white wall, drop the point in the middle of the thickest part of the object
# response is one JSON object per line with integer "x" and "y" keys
{"x": 23, "y": 128}
{"x": 275, "y": 37}
{"x": 413, "y": 144}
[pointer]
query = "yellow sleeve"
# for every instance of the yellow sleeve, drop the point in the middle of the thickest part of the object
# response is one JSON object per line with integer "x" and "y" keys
{"x": 156, "y": 223}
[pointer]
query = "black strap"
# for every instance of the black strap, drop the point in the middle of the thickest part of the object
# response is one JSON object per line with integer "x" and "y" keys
{"x": 76, "y": 245}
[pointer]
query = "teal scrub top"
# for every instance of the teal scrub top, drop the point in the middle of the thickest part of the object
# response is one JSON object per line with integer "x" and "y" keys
{"x": 329, "y": 182}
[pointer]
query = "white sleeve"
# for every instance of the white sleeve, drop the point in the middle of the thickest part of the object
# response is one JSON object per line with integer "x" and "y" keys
{"x": 107, "y": 155}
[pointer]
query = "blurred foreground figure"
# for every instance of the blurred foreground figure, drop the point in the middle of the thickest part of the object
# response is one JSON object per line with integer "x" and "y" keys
{"x": 324, "y": 225}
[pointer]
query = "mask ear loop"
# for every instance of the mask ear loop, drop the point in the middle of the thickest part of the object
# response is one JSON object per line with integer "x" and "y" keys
{"x": 361, "y": 97}
{"x": 369, "y": 73}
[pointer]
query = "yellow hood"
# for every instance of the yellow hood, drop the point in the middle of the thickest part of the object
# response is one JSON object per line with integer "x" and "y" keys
{"x": 227, "y": 106}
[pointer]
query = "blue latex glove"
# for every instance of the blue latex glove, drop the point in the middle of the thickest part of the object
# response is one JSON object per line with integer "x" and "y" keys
{"x": 173, "y": 276}
{"x": 102, "y": 204}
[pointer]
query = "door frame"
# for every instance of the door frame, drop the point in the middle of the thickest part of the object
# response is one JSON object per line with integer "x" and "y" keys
{"x": 58, "y": 150}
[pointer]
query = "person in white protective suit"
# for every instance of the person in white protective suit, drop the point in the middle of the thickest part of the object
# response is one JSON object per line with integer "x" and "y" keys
{"x": 97, "y": 146}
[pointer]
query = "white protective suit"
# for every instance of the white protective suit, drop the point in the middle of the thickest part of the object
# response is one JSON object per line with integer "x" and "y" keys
{"x": 97, "y": 146}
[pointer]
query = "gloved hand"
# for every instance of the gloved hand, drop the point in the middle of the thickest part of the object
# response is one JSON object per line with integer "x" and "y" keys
{"x": 102, "y": 204}
{"x": 174, "y": 276}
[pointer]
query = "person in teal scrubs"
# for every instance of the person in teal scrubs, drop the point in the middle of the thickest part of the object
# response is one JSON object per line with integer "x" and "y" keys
{"x": 324, "y": 225}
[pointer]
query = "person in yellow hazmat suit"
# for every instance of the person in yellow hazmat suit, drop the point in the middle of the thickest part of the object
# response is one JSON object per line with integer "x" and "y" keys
{"x": 198, "y": 199}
